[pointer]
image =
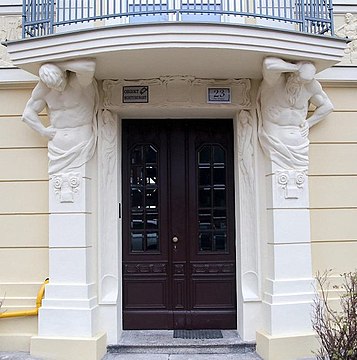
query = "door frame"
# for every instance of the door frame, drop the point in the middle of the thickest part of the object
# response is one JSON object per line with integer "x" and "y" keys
{"x": 249, "y": 301}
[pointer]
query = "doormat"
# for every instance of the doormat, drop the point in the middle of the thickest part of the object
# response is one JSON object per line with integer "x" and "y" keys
{"x": 198, "y": 334}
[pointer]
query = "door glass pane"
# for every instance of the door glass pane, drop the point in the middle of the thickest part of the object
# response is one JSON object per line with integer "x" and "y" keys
{"x": 152, "y": 220}
{"x": 137, "y": 242}
{"x": 151, "y": 175}
{"x": 220, "y": 241}
{"x": 219, "y": 156}
{"x": 211, "y": 186}
{"x": 219, "y": 175}
{"x": 219, "y": 197}
{"x": 144, "y": 195}
{"x": 204, "y": 197}
{"x": 137, "y": 198}
{"x": 137, "y": 221}
{"x": 204, "y": 176}
{"x": 152, "y": 241}
{"x": 205, "y": 239}
{"x": 204, "y": 156}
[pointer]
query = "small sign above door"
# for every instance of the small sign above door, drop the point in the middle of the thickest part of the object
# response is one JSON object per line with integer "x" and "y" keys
{"x": 219, "y": 95}
{"x": 135, "y": 94}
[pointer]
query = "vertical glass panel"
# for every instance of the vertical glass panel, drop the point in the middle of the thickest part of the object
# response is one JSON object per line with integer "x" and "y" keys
{"x": 211, "y": 188}
{"x": 144, "y": 199}
{"x": 204, "y": 155}
{"x": 204, "y": 197}
{"x": 218, "y": 155}
{"x": 152, "y": 241}
{"x": 220, "y": 241}
{"x": 150, "y": 154}
{"x": 219, "y": 197}
{"x": 152, "y": 221}
{"x": 204, "y": 176}
{"x": 219, "y": 176}
{"x": 137, "y": 241}
{"x": 205, "y": 239}
{"x": 137, "y": 221}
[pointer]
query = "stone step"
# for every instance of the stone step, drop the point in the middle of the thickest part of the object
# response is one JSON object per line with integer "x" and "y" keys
{"x": 124, "y": 356}
{"x": 163, "y": 342}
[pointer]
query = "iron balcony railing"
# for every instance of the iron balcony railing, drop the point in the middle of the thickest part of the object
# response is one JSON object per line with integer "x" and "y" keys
{"x": 44, "y": 17}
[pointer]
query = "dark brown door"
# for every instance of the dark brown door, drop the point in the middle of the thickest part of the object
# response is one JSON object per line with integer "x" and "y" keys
{"x": 178, "y": 217}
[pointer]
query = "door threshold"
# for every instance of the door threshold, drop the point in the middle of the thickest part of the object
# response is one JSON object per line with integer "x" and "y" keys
{"x": 166, "y": 337}
{"x": 163, "y": 342}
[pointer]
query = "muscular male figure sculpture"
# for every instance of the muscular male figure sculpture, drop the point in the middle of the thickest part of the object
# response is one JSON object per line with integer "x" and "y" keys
{"x": 69, "y": 91}
{"x": 285, "y": 94}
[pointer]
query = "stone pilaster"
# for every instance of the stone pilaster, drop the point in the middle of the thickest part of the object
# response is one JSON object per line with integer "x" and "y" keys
{"x": 70, "y": 304}
{"x": 288, "y": 285}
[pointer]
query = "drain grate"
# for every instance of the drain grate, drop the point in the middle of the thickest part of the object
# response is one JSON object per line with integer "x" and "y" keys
{"x": 198, "y": 334}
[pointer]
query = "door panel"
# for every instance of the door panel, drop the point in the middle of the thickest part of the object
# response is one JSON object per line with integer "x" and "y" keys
{"x": 178, "y": 233}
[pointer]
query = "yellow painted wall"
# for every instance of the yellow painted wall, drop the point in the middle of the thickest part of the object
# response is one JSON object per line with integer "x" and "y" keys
{"x": 333, "y": 185}
{"x": 23, "y": 217}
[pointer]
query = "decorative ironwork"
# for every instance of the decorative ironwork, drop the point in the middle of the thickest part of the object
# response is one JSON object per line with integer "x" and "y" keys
{"x": 43, "y": 17}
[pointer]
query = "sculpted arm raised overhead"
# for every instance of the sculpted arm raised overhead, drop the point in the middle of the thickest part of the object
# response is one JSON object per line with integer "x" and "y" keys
{"x": 274, "y": 67}
{"x": 84, "y": 69}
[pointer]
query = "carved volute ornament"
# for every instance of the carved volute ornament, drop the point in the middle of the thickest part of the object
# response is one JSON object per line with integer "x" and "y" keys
{"x": 69, "y": 91}
{"x": 286, "y": 91}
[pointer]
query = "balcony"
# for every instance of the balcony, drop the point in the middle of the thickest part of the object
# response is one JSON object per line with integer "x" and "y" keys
{"x": 148, "y": 39}
{"x": 44, "y": 17}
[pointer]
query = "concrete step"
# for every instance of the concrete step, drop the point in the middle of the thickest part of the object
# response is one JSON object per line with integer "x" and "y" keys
{"x": 123, "y": 356}
{"x": 163, "y": 342}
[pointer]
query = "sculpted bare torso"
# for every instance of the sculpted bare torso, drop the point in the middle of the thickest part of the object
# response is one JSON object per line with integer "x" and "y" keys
{"x": 71, "y": 114}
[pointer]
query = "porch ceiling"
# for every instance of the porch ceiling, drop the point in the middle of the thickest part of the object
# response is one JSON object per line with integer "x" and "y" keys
{"x": 154, "y": 50}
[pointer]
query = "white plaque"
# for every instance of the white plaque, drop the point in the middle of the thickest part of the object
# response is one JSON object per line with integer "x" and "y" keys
{"x": 219, "y": 95}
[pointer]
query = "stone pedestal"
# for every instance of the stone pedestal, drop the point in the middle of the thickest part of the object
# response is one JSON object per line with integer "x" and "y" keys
{"x": 70, "y": 309}
{"x": 288, "y": 285}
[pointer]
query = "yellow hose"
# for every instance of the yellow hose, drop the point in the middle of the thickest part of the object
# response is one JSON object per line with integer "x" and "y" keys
{"x": 32, "y": 312}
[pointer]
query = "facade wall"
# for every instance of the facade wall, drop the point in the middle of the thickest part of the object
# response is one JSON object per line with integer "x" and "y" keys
{"x": 23, "y": 216}
{"x": 332, "y": 181}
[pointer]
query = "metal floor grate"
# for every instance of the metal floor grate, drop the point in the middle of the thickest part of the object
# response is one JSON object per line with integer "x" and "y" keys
{"x": 198, "y": 334}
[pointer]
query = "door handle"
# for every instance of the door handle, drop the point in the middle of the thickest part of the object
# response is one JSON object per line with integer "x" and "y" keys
{"x": 175, "y": 239}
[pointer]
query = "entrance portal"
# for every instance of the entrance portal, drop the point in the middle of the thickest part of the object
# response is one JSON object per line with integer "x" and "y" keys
{"x": 178, "y": 224}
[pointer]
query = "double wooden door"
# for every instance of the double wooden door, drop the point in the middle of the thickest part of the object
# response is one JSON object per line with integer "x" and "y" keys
{"x": 178, "y": 225}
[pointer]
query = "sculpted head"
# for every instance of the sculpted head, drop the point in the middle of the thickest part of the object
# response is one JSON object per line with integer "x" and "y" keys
{"x": 307, "y": 71}
{"x": 348, "y": 18}
{"x": 53, "y": 77}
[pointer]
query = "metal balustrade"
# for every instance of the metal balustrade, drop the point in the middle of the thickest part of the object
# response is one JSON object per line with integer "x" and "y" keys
{"x": 44, "y": 17}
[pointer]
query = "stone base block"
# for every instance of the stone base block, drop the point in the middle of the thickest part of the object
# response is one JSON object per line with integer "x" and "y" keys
{"x": 62, "y": 348}
{"x": 290, "y": 347}
{"x": 68, "y": 322}
{"x": 15, "y": 342}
